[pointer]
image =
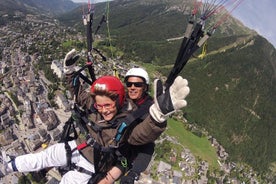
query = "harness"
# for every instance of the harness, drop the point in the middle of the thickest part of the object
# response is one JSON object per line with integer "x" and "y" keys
{"x": 133, "y": 118}
{"x": 77, "y": 126}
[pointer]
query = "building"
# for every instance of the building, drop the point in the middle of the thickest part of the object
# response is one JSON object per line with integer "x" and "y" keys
{"x": 62, "y": 102}
{"x": 57, "y": 68}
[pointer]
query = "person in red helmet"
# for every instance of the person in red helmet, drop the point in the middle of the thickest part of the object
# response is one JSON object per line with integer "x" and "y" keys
{"x": 106, "y": 96}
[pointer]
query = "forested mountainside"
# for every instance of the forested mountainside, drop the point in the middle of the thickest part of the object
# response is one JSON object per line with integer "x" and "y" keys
{"x": 232, "y": 88}
{"x": 13, "y": 7}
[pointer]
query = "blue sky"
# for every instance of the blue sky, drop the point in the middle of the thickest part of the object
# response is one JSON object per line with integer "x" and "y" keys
{"x": 258, "y": 15}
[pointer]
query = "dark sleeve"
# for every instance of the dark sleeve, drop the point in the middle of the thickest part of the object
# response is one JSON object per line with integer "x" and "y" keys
{"x": 80, "y": 91}
{"x": 147, "y": 131}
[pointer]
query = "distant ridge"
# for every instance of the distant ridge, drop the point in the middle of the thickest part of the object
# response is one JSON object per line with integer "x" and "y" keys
{"x": 232, "y": 89}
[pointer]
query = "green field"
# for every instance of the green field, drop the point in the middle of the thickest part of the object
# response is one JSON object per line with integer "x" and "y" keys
{"x": 199, "y": 146}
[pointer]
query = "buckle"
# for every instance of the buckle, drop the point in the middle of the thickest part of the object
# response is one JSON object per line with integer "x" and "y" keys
{"x": 90, "y": 141}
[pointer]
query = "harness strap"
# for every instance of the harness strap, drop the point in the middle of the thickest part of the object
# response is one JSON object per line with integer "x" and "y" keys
{"x": 82, "y": 170}
{"x": 69, "y": 157}
{"x": 67, "y": 129}
{"x": 122, "y": 159}
{"x": 90, "y": 142}
{"x": 68, "y": 154}
{"x": 82, "y": 145}
{"x": 79, "y": 74}
{"x": 131, "y": 118}
{"x": 143, "y": 109}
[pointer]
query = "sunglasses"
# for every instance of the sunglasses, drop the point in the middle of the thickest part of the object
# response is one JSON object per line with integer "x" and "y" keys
{"x": 106, "y": 106}
{"x": 136, "y": 84}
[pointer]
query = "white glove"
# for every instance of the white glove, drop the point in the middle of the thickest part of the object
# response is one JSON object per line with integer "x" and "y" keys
{"x": 169, "y": 101}
{"x": 70, "y": 61}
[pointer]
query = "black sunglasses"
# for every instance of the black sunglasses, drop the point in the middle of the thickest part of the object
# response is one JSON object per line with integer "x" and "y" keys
{"x": 136, "y": 84}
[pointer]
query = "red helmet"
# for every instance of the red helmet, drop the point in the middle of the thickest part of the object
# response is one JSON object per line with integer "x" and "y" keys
{"x": 110, "y": 84}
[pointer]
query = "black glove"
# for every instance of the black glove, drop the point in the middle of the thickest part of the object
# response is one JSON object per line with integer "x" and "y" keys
{"x": 129, "y": 178}
{"x": 168, "y": 101}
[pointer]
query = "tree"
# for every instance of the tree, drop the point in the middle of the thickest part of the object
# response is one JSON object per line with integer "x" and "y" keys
{"x": 24, "y": 180}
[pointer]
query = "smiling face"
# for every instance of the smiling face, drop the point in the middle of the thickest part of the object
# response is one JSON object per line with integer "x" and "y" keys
{"x": 106, "y": 107}
{"x": 135, "y": 87}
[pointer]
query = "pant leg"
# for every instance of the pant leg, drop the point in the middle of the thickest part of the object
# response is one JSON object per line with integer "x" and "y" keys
{"x": 75, "y": 177}
{"x": 54, "y": 155}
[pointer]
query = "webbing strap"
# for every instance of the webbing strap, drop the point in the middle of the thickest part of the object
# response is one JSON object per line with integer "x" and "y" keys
{"x": 82, "y": 145}
{"x": 132, "y": 117}
{"x": 68, "y": 154}
{"x": 142, "y": 110}
{"x": 67, "y": 129}
{"x": 90, "y": 142}
{"x": 14, "y": 168}
{"x": 138, "y": 114}
{"x": 79, "y": 74}
{"x": 82, "y": 170}
{"x": 123, "y": 160}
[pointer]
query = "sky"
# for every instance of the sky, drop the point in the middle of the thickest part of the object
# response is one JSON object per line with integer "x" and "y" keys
{"x": 258, "y": 15}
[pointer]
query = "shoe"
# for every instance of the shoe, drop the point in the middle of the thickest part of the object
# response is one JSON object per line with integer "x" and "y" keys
{"x": 3, "y": 164}
{"x": 1, "y": 174}
{"x": 2, "y": 168}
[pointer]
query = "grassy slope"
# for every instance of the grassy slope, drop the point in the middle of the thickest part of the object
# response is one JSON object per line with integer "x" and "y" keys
{"x": 199, "y": 146}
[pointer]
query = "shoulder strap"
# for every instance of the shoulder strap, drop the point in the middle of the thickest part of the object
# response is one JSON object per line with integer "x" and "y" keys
{"x": 133, "y": 117}
{"x": 68, "y": 128}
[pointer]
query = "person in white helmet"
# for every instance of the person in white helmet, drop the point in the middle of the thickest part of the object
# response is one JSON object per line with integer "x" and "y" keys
{"x": 137, "y": 84}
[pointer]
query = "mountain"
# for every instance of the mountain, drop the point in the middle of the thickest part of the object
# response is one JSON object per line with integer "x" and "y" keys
{"x": 232, "y": 89}
{"x": 20, "y": 9}
{"x": 36, "y": 6}
{"x": 233, "y": 97}
{"x": 135, "y": 27}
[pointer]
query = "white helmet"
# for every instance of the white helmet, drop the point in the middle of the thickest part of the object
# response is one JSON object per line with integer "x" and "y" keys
{"x": 138, "y": 72}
